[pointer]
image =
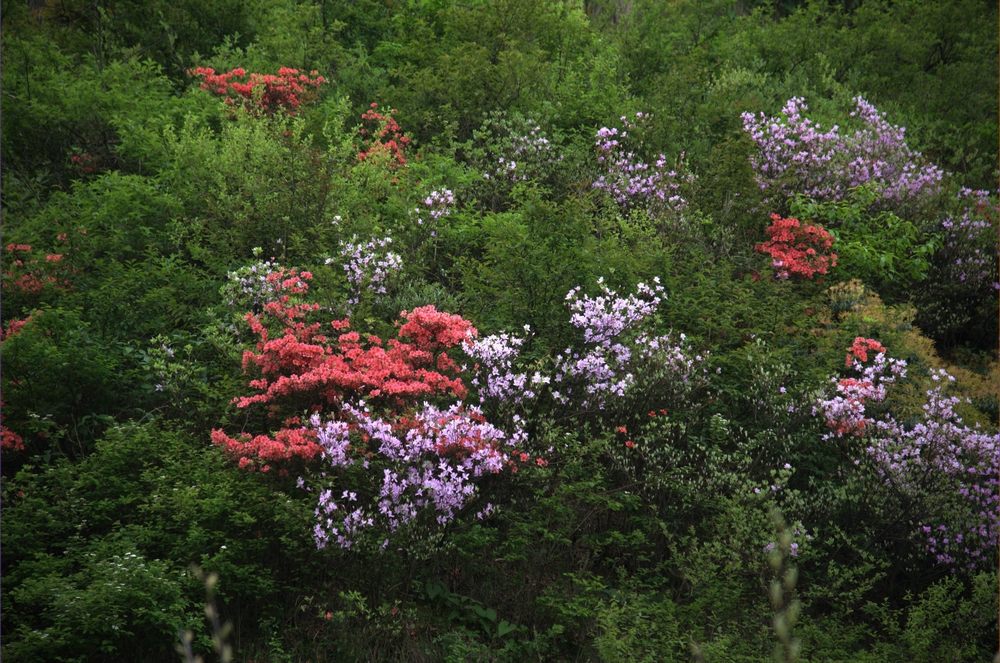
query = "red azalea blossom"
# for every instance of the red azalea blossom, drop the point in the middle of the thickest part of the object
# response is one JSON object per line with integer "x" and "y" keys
{"x": 261, "y": 93}
{"x": 797, "y": 249}
{"x": 860, "y": 348}
{"x": 10, "y": 441}
{"x": 384, "y": 135}
{"x": 301, "y": 369}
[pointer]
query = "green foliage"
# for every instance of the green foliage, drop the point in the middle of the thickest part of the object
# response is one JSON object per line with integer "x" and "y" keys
{"x": 889, "y": 254}
{"x": 97, "y": 552}
{"x": 59, "y": 382}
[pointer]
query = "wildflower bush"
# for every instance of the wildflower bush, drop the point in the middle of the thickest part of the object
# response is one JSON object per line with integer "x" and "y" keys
{"x": 797, "y": 249}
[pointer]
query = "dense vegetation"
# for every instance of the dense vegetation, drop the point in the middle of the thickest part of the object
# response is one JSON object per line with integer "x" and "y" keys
{"x": 500, "y": 330}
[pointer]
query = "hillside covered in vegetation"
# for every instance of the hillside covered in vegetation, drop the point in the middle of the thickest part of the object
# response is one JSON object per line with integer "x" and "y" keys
{"x": 499, "y": 330}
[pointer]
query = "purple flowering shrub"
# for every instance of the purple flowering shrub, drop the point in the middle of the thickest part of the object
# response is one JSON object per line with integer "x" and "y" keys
{"x": 369, "y": 266}
{"x": 436, "y": 206}
{"x": 795, "y": 155}
{"x": 629, "y": 179}
{"x": 423, "y": 469}
{"x": 946, "y": 471}
{"x": 619, "y": 359}
{"x": 968, "y": 252}
{"x": 952, "y": 469}
{"x": 959, "y": 303}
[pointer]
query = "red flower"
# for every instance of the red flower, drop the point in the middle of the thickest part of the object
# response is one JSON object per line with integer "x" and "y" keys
{"x": 798, "y": 250}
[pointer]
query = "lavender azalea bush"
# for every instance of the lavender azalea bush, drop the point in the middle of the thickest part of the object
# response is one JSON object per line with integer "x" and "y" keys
{"x": 949, "y": 471}
{"x": 429, "y": 466}
{"x": 629, "y": 179}
{"x": 795, "y": 155}
{"x": 368, "y": 265}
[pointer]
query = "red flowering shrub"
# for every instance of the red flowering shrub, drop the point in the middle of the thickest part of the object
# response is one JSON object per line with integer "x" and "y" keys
{"x": 29, "y": 273}
{"x": 860, "y": 348}
{"x": 798, "y": 250}
{"x": 13, "y": 327}
{"x": 261, "y": 93}
{"x": 10, "y": 441}
{"x": 84, "y": 162}
{"x": 384, "y": 136}
{"x": 303, "y": 369}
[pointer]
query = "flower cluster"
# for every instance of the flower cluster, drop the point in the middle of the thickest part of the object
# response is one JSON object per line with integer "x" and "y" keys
{"x": 968, "y": 252}
{"x": 425, "y": 463}
{"x": 13, "y": 327}
{"x": 437, "y": 205}
{"x": 495, "y": 376}
{"x": 860, "y": 348}
{"x": 368, "y": 265}
{"x": 797, "y": 249}
{"x": 260, "y": 93}
{"x": 264, "y": 451}
{"x": 522, "y": 156}
{"x": 631, "y": 181}
{"x": 795, "y": 156}
{"x": 251, "y": 286}
{"x": 846, "y": 413}
{"x": 84, "y": 162}
{"x": 960, "y": 466}
{"x": 9, "y": 440}
{"x": 384, "y": 136}
{"x": 603, "y": 368}
{"x": 31, "y": 273}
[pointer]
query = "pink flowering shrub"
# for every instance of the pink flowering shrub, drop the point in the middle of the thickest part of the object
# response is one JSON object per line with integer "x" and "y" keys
{"x": 384, "y": 137}
{"x": 846, "y": 412}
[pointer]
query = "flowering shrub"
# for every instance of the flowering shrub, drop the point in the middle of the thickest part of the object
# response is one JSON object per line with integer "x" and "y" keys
{"x": 521, "y": 150}
{"x": 30, "y": 273}
{"x": 384, "y": 136}
{"x": 508, "y": 149}
{"x": 951, "y": 472}
{"x": 305, "y": 370}
{"x": 10, "y": 441}
{"x": 495, "y": 376}
{"x": 796, "y": 157}
{"x": 860, "y": 348}
{"x": 968, "y": 253}
{"x": 797, "y": 249}
{"x": 261, "y": 93}
{"x": 846, "y": 413}
{"x": 603, "y": 368}
{"x": 427, "y": 462}
{"x": 368, "y": 265}
{"x": 84, "y": 162}
{"x": 437, "y": 205}
{"x": 958, "y": 466}
{"x": 628, "y": 179}
{"x": 250, "y": 286}
{"x": 13, "y": 327}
